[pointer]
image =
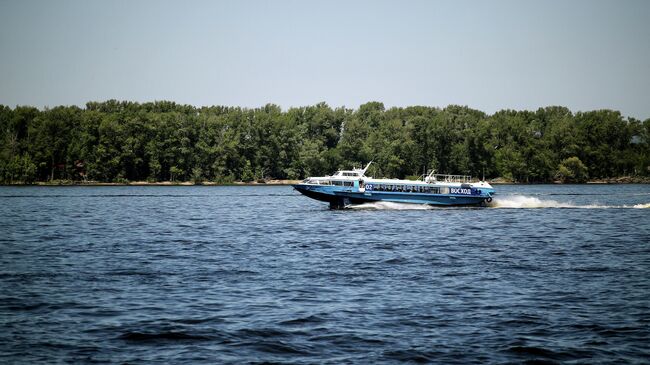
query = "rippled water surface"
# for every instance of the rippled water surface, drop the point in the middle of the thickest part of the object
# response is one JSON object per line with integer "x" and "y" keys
{"x": 261, "y": 274}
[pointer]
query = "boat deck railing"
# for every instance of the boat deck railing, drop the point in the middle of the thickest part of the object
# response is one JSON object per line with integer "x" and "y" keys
{"x": 448, "y": 178}
{"x": 430, "y": 178}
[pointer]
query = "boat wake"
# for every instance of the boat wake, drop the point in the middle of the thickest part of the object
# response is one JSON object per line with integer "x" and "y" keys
{"x": 510, "y": 202}
{"x": 383, "y": 205}
{"x": 521, "y": 201}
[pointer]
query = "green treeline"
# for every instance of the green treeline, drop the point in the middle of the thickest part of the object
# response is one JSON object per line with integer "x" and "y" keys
{"x": 118, "y": 141}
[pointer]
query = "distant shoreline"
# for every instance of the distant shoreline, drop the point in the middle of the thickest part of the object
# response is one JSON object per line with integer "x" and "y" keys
{"x": 497, "y": 181}
{"x": 159, "y": 183}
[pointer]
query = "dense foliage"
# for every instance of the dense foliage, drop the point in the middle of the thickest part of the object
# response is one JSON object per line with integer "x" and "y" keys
{"x": 126, "y": 141}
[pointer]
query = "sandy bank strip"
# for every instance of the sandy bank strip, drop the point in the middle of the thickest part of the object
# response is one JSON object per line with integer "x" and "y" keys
{"x": 165, "y": 183}
{"x": 497, "y": 181}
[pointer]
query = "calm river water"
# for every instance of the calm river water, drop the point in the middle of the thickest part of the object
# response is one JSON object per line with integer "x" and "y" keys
{"x": 549, "y": 274}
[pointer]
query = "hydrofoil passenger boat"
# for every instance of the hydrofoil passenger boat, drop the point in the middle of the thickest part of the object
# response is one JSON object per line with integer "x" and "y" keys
{"x": 348, "y": 187}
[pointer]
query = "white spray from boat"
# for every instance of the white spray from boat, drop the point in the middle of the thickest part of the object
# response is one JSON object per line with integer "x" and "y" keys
{"x": 522, "y": 201}
{"x": 385, "y": 205}
{"x": 507, "y": 202}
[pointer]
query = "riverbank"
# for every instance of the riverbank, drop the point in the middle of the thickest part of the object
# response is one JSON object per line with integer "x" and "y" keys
{"x": 622, "y": 180}
{"x": 609, "y": 180}
{"x": 496, "y": 181}
{"x": 158, "y": 183}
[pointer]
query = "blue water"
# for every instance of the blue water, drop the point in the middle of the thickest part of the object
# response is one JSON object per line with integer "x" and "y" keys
{"x": 548, "y": 274}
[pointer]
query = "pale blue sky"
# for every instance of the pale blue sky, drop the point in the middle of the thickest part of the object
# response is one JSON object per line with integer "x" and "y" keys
{"x": 489, "y": 55}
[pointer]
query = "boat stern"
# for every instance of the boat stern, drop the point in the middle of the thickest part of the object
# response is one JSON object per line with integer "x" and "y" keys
{"x": 484, "y": 190}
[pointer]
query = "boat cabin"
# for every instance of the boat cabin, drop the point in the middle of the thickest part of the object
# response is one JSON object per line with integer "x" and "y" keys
{"x": 345, "y": 173}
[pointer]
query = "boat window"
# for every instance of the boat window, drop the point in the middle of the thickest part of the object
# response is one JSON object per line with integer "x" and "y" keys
{"x": 347, "y": 183}
{"x": 338, "y": 183}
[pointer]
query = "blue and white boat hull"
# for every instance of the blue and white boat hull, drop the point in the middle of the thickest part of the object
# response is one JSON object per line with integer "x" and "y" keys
{"x": 341, "y": 197}
{"x": 347, "y": 187}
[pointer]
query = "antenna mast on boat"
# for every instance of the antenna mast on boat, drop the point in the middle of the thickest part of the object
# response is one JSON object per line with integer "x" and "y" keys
{"x": 363, "y": 172}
